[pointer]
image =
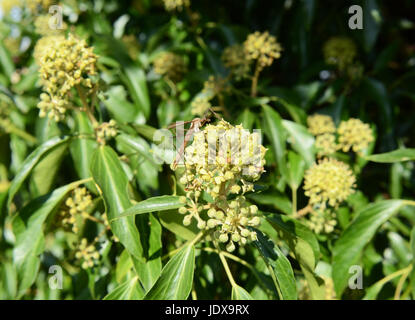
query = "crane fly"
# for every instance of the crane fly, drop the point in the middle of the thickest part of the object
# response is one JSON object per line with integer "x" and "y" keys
{"x": 195, "y": 126}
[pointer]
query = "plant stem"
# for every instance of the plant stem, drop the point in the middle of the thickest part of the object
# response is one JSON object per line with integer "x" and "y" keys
{"x": 225, "y": 265}
{"x": 199, "y": 236}
{"x": 401, "y": 282}
{"x": 294, "y": 200}
{"x": 254, "y": 84}
{"x": 395, "y": 274}
{"x": 85, "y": 105}
{"x": 11, "y": 128}
{"x": 242, "y": 262}
{"x": 303, "y": 211}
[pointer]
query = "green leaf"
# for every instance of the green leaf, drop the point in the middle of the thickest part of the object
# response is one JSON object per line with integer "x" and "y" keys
{"x": 135, "y": 79}
{"x": 82, "y": 148}
{"x": 412, "y": 243}
{"x": 137, "y": 144}
{"x": 128, "y": 290}
{"x": 280, "y": 266}
{"x": 124, "y": 264}
{"x": 303, "y": 244}
{"x": 152, "y": 205}
{"x": 398, "y": 155}
{"x": 30, "y": 239}
{"x": 372, "y": 22}
{"x": 151, "y": 240}
{"x": 173, "y": 221}
{"x": 315, "y": 284}
{"x": 176, "y": 279}
{"x": 44, "y": 172}
{"x": 377, "y": 91}
{"x": 30, "y": 163}
{"x": 167, "y": 111}
{"x": 113, "y": 183}
{"x": 349, "y": 246}
{"x": 276, "y": 134}
{"x": 274, "y": 199}
{"x": 142, "y": 161}
{"x": 301, "y": 140}
{"x": 295, "y": 166}
{"x": 120, "y": 108}
{"x": 239, "y": 293}
{"x": 6, "y": 61}
{"x": 297, "y": 236}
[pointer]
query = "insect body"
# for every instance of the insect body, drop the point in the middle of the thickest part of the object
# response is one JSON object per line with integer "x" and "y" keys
{"x": 195, "y": 126}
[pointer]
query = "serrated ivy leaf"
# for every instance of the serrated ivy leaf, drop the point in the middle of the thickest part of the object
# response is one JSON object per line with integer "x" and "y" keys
{"x": 31, "y": 162}
{"x": 239, "y": 293}
{"x": 349, "y": 246}
{"x": 393, "y": 156}
{"x": 176, "y": 278}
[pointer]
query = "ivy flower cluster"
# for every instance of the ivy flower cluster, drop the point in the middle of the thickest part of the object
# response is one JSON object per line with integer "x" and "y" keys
{"x": 178, "y": 5}
{"x": 354, "y": 135}
{"x": 170, "y": 65}
{"x": 351, "y": 135}
{"x": 200, "y": 105}
{"x": 320, "y": 124}
{"x": 87, "y": 253}
{"x": 213, "y": 87}
{"x": 263, "y": 48}
{"x": 235, "y": 59}
{"x": 322, "y": 220}
{"x": 33, "y": 6}
{"x": 339, "y": 51}
{"x": 328, "y": 182}
{"x": 222, "y": 161}
{"x": 105, "y": 131}
{"x": 64, "y": 64}
{"x": 76, "y": 206}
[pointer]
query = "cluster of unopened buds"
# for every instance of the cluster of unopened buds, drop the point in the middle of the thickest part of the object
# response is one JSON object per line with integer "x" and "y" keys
{"x": 263, "y": 48}
{"x": 339, "y": 51}
{"x": 258, "y": 47}
{"x": 171, "y": 5}
{"x": 235, "y": 59}
{"x": 105, "y": 131}
{"x": 328, "y": 182}
{"x": 213, "y": 87}
{"x": 223, "y": 161}
{"x": 64, "y": 64}
{"x": 170, "y": 65}
{"x": 351, "y": 135}
{"x": 87, "y": 254}
{"x": 77, "y": 207}
{"x": 322, "y": 220}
